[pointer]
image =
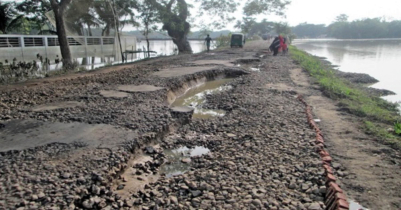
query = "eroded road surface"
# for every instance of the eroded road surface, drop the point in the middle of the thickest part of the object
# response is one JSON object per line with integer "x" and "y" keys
{"x": 103, "y": 140}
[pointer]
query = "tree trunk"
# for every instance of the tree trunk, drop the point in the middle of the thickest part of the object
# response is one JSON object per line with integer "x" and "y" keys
{"x": 175, "y": 24}
{"x": 179, "y": 36}
{"x": 62, "y": 35}
{"x": 182, "y": 44}
{"x": 148, "y": 44}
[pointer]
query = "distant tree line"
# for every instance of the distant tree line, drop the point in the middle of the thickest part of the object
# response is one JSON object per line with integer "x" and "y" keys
{"x": 341, "y": 28}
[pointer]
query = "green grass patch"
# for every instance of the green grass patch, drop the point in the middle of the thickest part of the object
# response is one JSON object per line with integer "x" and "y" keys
{"x": 383, "y": 135}
{"x": 354, "y": 99}
{"x": 350, "y": 96}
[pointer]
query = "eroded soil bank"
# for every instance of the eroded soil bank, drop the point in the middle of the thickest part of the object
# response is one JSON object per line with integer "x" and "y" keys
{"x": 96, "y": 141}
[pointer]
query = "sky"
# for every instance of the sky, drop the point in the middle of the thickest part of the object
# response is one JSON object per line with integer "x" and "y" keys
{"x": 325, "y": 11}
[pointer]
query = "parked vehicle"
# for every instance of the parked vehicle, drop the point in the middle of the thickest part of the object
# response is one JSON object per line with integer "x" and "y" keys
{"x": 237, "y": 40}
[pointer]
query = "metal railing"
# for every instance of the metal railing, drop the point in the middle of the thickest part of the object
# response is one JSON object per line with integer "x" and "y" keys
{"x": 27, "y": 47}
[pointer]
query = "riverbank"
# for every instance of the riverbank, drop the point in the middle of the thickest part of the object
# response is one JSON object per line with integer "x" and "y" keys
{"x": 98, "y": 140}
{"x": 353, "y": 97}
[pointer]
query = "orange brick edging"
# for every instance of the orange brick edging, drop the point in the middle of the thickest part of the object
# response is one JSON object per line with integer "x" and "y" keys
{"x": 335, "y": 198}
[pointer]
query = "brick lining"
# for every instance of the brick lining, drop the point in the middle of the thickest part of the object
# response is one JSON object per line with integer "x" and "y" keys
{"x": 335, "y": 198}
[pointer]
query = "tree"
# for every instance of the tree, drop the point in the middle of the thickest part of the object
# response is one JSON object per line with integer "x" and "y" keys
{"x": 255, "y": 7}
{"x": 262, "y": 28}
{"x": 246, "y": 24}
{"x": 81, "y": 14}
{"x": 310, "y": 30}
{"x": 59, "y": 7}
{"x": 282, "y": 28}
{"x": 148, "y": 19}
{"x": 341, "y": 18}
{"x": 123, "y": 10}
{"x": 173, "y": 15}
{"x": 35, "y": 12}
{"x": 9, "y": 17}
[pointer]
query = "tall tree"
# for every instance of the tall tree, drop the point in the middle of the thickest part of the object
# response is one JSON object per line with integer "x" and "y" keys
{"x": 341, "y": 18}
{"x": 59, "y": 7}
{"x": 148, "y": 19}
{"x": 124, "y": 11}
{"x": 173, "y": 14}
{"x": 80, "y": 14}
{"x": 10, "y": 19}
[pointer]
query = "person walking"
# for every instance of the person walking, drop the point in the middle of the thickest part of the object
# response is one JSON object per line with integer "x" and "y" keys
{"x": 208, "y": 40}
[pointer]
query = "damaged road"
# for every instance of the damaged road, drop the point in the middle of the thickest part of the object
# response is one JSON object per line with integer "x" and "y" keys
{"x": 97, "y": 141}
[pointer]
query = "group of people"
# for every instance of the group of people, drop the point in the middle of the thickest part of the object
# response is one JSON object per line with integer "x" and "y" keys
{"x": 279, "y": 44}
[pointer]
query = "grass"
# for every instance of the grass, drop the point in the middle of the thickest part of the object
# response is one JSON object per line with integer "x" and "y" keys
{"x": 352, "y": 98}
{"x": 383, "y": 135}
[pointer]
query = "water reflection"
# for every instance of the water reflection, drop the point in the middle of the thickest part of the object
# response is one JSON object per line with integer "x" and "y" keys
{"x": 355, "y": 206}
{"x": 378, "y": 58}
{"x": 176, "y": 166}
{"x": 196, "y": 98}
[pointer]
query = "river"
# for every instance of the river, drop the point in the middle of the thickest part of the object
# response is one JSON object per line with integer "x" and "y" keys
{"x": 378, "y": 58}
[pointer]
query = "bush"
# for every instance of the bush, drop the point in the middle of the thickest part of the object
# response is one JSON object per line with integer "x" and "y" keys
{"x": 223, "y": 41}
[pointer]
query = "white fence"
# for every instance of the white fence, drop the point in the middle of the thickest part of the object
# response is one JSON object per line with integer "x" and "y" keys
{"x": 27, "y": 47}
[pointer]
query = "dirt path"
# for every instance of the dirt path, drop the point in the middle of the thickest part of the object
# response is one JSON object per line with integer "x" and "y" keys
{"x": 370, "y": 172}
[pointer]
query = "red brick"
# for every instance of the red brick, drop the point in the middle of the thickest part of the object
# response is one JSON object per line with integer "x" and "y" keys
{"x": 330, "y": 178}
{"x": 342, "y": 204}
{"x": 328, "y": 170}
{"x": 341, "y": 196}
{"x": 324, "y": 153}
{"x": 335, "y": 187}
{"x": 327, "y": 159}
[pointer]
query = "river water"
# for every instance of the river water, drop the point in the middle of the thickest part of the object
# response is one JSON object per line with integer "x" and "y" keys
{"x": 378, "y": 58}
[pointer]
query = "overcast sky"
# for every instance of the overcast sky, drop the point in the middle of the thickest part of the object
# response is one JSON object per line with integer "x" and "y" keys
{"x": 325, "y": 11}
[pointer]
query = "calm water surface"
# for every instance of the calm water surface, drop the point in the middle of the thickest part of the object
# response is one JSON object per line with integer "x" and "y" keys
{"x": 379, "y": 58}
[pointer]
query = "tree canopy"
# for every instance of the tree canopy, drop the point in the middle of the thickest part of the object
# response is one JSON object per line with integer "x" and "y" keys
{"x": 10, "y": 19}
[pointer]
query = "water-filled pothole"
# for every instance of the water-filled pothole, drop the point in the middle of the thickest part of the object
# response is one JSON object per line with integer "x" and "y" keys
{"x": 179, "y": 159}
{"x": 355, "y": 206}
{"x": 255, "y": 69}
{"x": 196, "y": 98}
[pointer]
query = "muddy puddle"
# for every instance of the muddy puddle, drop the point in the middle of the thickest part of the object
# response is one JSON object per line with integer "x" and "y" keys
{"x": 196, "y": 98}
{"x": 179, "y": 159}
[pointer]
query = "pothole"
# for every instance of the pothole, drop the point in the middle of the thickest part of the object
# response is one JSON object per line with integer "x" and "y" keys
{"x": 179, "y": 159}
{"x": 113, "y": 94}
{"x": 138, "y": 88}
{"x": 255, "y": 69}
{"x": 57, "y": 105}
{"x": 196, "y": 98}
{"x": 213, "y": 62}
